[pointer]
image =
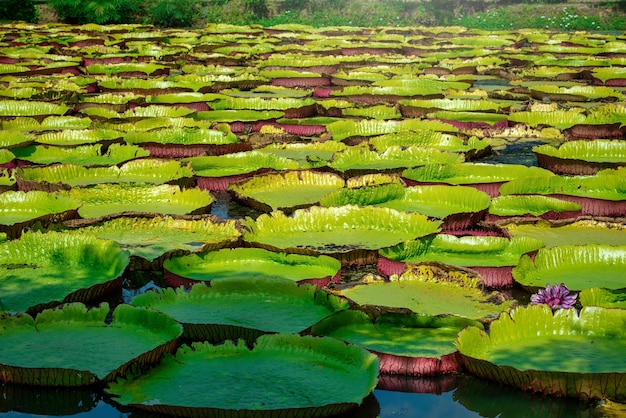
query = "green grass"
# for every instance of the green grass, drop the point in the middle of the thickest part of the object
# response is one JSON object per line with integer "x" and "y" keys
{"x": 560, "y": 17}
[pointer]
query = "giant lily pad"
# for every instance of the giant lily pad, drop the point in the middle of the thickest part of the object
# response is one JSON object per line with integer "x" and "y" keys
{"x": 69, "y": 137}
{"x": 31, "y": 108}
{"x": 582, "y": 157}
{"x": 532, "y": 205}
{"x": 599, "y": 195}
{"x": 88, "y": 155}
{"x": 420, "y": 290}
{"x": 216, "y": 172}
{"x": 152, "y": 238}
{"x": 61, "y": 176}
{"x": 19, "y": 209}
{"x": 485, "y": 177}
{"x": 573, "y": 231}
{"x": 322, "y": 377}
{"x": 243, "y": 307}
{"x": 458, "y": 206}
{"x": 359, "y": 159}
{"x": 107, "y": 199}
{"x": 577, "y": 266}
{"x": 337, "y": 230}
{"x": 36, "y": 352}
{"x": 407, "y": 344}
{"x": 252, "y": 263}
{"x": 40, "y": 269}
{"x": 285, "y": 191}
{"x": 561, "y": 119}
{"x": 492, "y": 257}
{"x": 562, "y": 353}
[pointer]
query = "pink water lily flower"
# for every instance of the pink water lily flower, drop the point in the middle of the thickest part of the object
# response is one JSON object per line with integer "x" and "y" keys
{"x": 555, "y": 296}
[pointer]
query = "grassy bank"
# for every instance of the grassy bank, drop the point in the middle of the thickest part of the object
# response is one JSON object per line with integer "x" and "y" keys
{"x": 481, "y": 14}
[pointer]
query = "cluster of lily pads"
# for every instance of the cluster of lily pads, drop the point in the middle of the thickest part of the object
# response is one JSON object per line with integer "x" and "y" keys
{"x": 124, "y": 149}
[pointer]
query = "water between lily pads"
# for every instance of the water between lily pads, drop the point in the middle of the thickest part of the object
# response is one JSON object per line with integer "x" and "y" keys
{"x": 452, "y": 396}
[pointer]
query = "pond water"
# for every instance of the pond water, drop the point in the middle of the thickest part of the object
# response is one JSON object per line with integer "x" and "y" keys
{"x": 451, "y": 396}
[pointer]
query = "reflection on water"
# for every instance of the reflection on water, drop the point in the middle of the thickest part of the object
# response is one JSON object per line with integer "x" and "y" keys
{"x": 451, "y": 396}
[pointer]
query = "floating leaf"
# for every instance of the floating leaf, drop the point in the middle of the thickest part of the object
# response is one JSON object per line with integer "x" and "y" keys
{"x": 276, "y": 365}
{"x": 337, "y": 229}
{"x": 36, "y": 352}
{"x": 252, "y": 263}
{"x": 421, "y": 292}
{"x": 577, "y": 266}
{"x": 87, "y": 155}
{"x": 108, "y": 199}
{"x": 41, "y": 269}
{"x": 562, "y": 353}
{"x": 151, "y": 238}
{"x": 286, "y": 190}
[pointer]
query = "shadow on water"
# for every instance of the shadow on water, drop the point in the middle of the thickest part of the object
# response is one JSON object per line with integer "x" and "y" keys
{"x": 450, "y": 396}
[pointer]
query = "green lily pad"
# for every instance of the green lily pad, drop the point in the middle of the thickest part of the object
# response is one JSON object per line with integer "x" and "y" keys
{"x": 431, "y": 139}
{"x": 465, "y": 251}
{"x": 561, "y": 119}
{"x": 13, "y": 138}
{"x": 306, "y": 154}
{"x": 598, "y": 150}
{"x": 49, "y": 123}
{"x": 18, "y": 208}
{"x": 606, "y": 187}
{"x": 604, "y": 298}
{"x": 536, "y": 205}
{"x": 421, "y": 291}
{"x": 562, "y": 353}
{"x": 41, "y": 269}
{"x": 577, "y": 266}
{"x": 282, "y": 374}
{"x": 409, "y": 344}
{"x": 243, "y": 307}
{"x": 238, "y": 115}
{"x": 183, "y": 136}
{"x": 253, "y": 263}
{"x": 472, "y": 173}
{"x": 573, "y": 232}
{"x": 394, "y": 157}
{"x": 69, "y": 137}
{"x": 31, "y": 108}
{"x": 87, "y": 155}
{"x": 434, "y": 201}
{"x": 108, "y": 199}
{"x": 151, "y": 238}
{"x": 36, "y": 352}
{"x": 152, "y": 171}
{"x": 238, "y": 163}
{"x": 336, "y": 230}
{"x": 293, "y": 189}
